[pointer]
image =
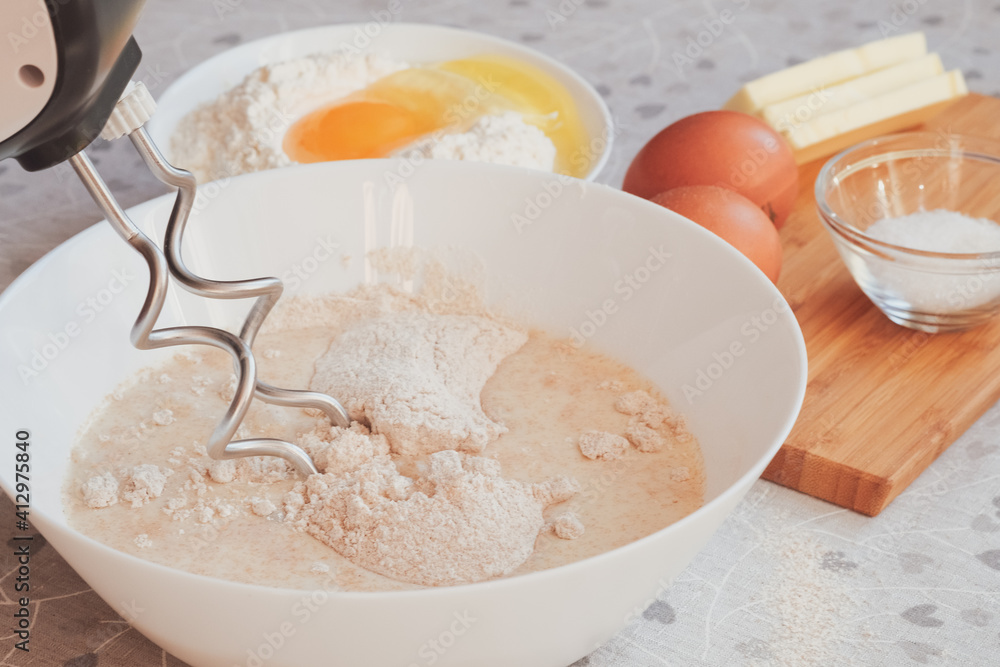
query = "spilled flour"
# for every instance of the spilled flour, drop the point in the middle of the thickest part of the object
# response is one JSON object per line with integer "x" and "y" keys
{"x": 463, "y": 462}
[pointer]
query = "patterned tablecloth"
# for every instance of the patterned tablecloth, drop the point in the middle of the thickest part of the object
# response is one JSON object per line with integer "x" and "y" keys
{"x": 787, "y": 580}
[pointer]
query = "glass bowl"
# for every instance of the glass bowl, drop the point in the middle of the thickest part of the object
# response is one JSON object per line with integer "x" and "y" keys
{"x": 928, "y": 287}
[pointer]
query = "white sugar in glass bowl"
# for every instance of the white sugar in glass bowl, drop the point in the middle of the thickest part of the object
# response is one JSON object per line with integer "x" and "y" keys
{"x": 925, "y": 287}
{"x": 413, "y": 43}
{"x": 551, "y": 273}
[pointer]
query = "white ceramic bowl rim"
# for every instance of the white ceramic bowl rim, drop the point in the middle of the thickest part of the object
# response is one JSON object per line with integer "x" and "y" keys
{"x": 939, "y": 144}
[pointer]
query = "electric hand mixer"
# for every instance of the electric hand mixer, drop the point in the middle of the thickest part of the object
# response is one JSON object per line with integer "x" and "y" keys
{"x": 68, "y": 82}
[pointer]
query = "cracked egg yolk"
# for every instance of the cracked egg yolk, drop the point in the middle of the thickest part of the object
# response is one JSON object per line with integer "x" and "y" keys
{"x": 399, "y": 109}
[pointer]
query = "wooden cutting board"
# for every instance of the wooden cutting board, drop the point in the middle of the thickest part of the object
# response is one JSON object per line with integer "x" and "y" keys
{"x": 882, "y": 401}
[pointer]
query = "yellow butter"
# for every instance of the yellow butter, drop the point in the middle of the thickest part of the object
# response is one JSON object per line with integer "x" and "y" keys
{"x": 797, "y": 110}
{"x": 827, "y": 70}
{"x": 889, "y": 112}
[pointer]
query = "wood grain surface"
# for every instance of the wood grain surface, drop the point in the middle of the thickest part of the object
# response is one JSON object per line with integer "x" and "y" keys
{"x": 882, "y": 401}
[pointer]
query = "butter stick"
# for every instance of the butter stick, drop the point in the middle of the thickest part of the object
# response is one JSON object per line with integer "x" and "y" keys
{"x": 827, "y": 70}
{"x": 782, "y": 115}
{"x": 889, "y": 112}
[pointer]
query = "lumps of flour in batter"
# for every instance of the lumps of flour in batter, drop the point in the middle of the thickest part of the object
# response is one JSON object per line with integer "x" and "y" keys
{"x": 339, "y": 451}
{"x": 416, "y": 378}
{"x": 612, "y": 385}
{"x": 650, "y": 419}
{"x": 555, "y": 489}
{"x": 635, "y": 403}
{"x": 255, "y": 469}
{"x": 262, "y": 506}
{"x": 222, "y": 472}
{"x": 424, "y": 517}
{"x": 139, "y": 485}
{"x": 644, "y": 438}
{"x": 567, "y": 526}
{"x": 462, "y": 522}
{"x": 602, "y": 446}
{"x": 680, "y": 474}
{"x": 143, "y": 483}
{"x": 163, "y": 417}
{"x": 100, "y": 491}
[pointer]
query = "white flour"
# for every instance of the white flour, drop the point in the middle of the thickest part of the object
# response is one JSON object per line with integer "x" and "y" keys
{"x": 462, "y": 522}
{"x": 416, "y": 378}
{"x": 502, "y": 139}
{"x": 243, "y": 129}
{"x": 377, "y": 519}
{"x": 140, "y": 485}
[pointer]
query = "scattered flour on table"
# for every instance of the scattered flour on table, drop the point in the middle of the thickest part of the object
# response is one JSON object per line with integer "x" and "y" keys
{"x": 416, "y": 378}
{"x": 808, "y": 604}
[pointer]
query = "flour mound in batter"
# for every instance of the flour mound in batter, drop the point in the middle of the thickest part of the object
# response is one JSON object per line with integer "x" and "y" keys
{"x": 462, "y": 522}
{"x": 602, "y": 446}
{"x": 143, "y": 483}
{"x": 341, "y": 451}
{"x": 100, "y": 491}
{"x": 416, "y": 378}
{"x": 139, "y": 485}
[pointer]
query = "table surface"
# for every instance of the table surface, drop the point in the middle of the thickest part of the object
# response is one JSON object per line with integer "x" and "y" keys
{"x": 787, "y": 580}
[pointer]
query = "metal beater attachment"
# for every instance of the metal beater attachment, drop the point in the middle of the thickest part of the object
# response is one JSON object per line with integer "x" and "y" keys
{"x": 135, "y": 107}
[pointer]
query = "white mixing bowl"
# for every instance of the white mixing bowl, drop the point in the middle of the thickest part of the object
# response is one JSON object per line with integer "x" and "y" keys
{"x": 704, "y": 324}
{"x": 412, "y": 43}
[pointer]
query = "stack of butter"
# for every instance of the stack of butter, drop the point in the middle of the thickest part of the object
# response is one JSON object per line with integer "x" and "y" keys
{"x": 835, "y": 101}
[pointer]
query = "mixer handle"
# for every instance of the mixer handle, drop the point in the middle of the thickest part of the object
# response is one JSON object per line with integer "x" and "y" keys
{"x": 68, "y": 65}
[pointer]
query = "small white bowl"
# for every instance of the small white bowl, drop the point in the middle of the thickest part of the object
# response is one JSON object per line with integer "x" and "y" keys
{"x": 408, "y": 42}
{"x": 707, "y": 327}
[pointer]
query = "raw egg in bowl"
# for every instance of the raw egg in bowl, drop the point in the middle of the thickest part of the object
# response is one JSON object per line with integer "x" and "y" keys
{"x": 415, "y": 91}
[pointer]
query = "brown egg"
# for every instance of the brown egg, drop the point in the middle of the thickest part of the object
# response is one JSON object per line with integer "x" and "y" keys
{"x": 732, "y": 217}
{"x": 728, "y": 149}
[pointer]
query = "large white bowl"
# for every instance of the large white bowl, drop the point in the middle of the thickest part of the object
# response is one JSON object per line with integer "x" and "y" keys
{"x": 706, "y": 319}
{"x": 408, "y": 42}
